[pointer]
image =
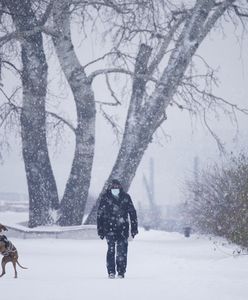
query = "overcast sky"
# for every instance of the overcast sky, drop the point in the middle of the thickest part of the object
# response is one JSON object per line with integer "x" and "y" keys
{"x": 173, "y": 156}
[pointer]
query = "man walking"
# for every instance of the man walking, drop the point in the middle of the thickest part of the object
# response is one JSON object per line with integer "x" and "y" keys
{"x": 113, "y": 223}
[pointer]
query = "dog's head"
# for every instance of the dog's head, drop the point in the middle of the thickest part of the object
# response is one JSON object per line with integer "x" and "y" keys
{"x": 3, "y": 228}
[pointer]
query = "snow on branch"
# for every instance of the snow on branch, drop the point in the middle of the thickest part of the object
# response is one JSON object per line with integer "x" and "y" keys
{"x": 219, "y": 11}
{"x": 120, "y": 8}
{"x": 24, "y": 34}
{"x": 47, "y": 13}
{"x": 96, "y": 73}
{"x": 164, "y": 46}
{"x": 241, "y": 12}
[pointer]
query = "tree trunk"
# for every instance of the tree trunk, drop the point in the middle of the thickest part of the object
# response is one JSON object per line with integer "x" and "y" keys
{"x": 42, "y": 188}
{"x": 147, "y": 116}
{"x": 135, "y": 141}
{"x": 77, "y": 187}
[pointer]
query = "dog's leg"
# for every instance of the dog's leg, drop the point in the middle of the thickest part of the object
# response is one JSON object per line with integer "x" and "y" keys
{"x": 14, "y": 265}
{"x": 4, "y": 262}
{"x": 3, "y": 267}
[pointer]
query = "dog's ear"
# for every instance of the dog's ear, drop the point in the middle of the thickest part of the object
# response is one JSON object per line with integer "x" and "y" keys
{"x": 3, "y": 228}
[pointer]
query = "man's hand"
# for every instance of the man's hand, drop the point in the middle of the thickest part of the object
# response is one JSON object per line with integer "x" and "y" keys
{"x": 133, "y": 233}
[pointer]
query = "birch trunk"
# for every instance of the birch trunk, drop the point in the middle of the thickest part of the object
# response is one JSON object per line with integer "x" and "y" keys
{"x": 137, "y": 138}
{"x": 42, "y": 188}
{"x": 77, "y": 187}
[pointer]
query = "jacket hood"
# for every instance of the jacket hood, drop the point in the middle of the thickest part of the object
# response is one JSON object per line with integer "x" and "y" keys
{"x": 115, "y": 184}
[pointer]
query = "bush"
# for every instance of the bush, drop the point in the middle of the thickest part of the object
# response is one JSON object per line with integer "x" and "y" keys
{"x": 218, "y": 200}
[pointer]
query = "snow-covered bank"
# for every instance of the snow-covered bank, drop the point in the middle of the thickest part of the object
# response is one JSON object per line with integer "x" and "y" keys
{"x": 160, "y": 266}
{"x": 17, "y": 228}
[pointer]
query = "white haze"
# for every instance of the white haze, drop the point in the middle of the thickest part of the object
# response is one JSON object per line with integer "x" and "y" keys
{"x": 173, "y": 156}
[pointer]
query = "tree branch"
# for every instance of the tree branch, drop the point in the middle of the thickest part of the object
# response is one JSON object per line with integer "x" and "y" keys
{"x": 100, "y": 58}
{"x": 107, "y": 3}
{"x": 217, "y": 139}
{"x": 47, "y": 13}
{"x": 221, "y": 8}
{"x": 13, "y": 66}
{"x": 165, "y": 44}
{"x": 140, "y": 80}
{"x": 111, "y": 90}
{"x": 19, "y": 108}
{"x": 238, "y": 12}
{"x": 216, "y": 98}
{"x": 121, "y": 71}
{"x": 23, "y": 34}
{"x": 73, "y": 129}
{"x": 114, "y": 125}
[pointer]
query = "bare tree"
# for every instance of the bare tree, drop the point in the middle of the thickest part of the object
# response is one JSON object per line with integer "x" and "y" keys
{"x": 147, "y": 113}
{"x": 167, "y": 38}
{"x": 42, "y": 188}
{"x": 76, "y": 192}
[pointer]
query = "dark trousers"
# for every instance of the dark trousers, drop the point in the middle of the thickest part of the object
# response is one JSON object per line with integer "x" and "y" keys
{"x": 117, "y": 255}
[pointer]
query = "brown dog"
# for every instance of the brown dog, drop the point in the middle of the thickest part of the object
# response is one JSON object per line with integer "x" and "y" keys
{"x": 9, "y": 252}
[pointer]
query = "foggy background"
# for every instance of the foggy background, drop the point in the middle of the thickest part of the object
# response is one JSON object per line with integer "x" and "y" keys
{"x": 173, "y": 154}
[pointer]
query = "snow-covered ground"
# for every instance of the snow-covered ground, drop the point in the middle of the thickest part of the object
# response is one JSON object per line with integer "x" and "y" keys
{"x": 160, "y": 266}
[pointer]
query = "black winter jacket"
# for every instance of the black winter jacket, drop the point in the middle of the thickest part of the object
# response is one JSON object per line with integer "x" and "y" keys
{"x": 112, "y": 215}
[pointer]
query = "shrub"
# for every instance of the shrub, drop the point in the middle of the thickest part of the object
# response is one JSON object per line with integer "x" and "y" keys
{"x": 218, "y": 200}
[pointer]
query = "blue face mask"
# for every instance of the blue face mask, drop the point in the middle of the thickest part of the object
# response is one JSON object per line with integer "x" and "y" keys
{"x": 115, "y": 192}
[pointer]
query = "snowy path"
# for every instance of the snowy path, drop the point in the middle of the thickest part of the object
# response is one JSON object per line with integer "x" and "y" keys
{"x": 161, "y": 266}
